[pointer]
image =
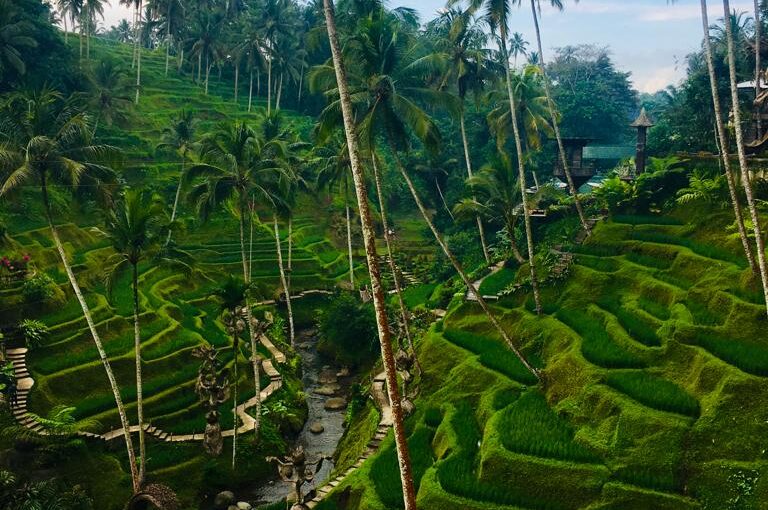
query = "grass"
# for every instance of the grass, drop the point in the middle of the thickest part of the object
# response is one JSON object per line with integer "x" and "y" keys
{"x": 654, "y": 392}
{"x": 596, "y": 344}
{"x": 701, "y": 313}
{"x": 604, "y": 265}
{"x": 708, "y": 250}
{"x": 648, "y": 260}
{"x": 498, "y": 281}
{"x": 418, "y": 295}
{"x": 655, "y": 308}
{"x": 639, "y": 219}
{"x": 637, "y": 327}
{"x": 750, "y": 357}
{"x": 493, "y": 354}
{"x": 529, "y": 426}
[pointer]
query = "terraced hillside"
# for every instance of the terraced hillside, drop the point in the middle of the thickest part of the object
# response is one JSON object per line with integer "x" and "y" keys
{"x": 655, "y": 355}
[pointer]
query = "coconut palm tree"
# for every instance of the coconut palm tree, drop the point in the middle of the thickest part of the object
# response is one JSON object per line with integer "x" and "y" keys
{"x": 518, "y": 46}
{"x": 758, "y": 65}
{"x": 13, "y": 39}
{"x": 68, "y": 9}
{"x": 108, "y": 96}
{"x": 134, "y": 226}
{"x": 743, "y": 165}
{"x": 237, "y": 166}
{"x": 179, "y": 137}
{"x": 553, "y": 114}
{"x": 462, "y": 41}
{"x": 276, "y": 20}
{"x": 722, "y": 136}
{"x": 207, "y": 43}
{"x": 50, "y": 143}
{"x": 91, "y": 10}
{"x": 250, "y": 50}
{"x": 497, "y": 17}
{"x": 379, "y": 299}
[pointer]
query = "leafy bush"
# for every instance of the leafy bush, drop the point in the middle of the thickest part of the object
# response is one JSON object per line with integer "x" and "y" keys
{"x": 493, "y": 354}
{"x": 34, "y": 332}
{"x": 531, "y": 427}
{"x": 749, "y": 357}
{"x": 596, "y": 345}
{"x": 654, "y": 392}
{"x": 348, "y": 329}
{"x": 38, "y": 289}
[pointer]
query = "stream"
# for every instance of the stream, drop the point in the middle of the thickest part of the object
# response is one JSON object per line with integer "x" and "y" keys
{"x": 315, "y": 375}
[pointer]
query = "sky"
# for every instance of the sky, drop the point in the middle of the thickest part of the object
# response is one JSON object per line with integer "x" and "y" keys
{"x": 647, "y": 38}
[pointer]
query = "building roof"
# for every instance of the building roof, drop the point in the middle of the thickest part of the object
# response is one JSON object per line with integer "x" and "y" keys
{"x": 609, "y": 152}
{"x": 642, "y": 120}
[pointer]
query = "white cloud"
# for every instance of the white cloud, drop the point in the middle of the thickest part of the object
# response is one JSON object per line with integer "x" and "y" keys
{"x": 659, "y": 78}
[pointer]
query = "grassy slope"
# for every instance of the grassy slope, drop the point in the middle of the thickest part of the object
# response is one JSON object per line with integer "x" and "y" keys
{"x": 177, "y": 313}
{"x": 684, "y": 429}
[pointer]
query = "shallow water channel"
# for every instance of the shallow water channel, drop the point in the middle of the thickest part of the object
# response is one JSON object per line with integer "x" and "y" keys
{"x": 315, "y": 375}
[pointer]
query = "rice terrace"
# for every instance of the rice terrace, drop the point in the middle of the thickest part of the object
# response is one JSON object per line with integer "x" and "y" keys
{"x": 369, "y": 255}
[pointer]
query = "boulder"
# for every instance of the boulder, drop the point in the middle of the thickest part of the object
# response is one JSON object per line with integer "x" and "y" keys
{"x": 344, "y": 372}
{"x": 327, "y": 376}
{"x": 317, "y": 428}
{"x": 335, "y": 404}
{"x": 328, "y": 390}
{"x": 242, "y": 505}
{"x": 223, "y": 500}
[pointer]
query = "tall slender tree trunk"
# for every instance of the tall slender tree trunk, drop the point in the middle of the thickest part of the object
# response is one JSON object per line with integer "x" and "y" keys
{"x": 199, "y": 66}
{"x": 88, "y": 33}
{"x": 390, "y": 253}
{"x": 468, "y": 160}
{"x": 284, "y": 280}
{"x": 442, "y": 199}
{"x": 235, "y": 419}
{"x": 758, "y": 66}
{"x": 66, "y": 31}
{"x": 258, "y": 83}
{"x": 168, "y": 37}
{"x": 349, "y": 233}
{"x": 456, "y": 264}
{"x": 249, "y": 318}
{"x": 745, "y": 177}
{"x": 556, "y": 125}
{"x": 138, "y": 71}
{"x": 269, "y": 86}
{"x": 237, "y": 79}
{"x": 279, "y": 92}
{"x": 301, "y": 84}
{"x": 521, "y": 171}
{"x": 181, "y": 57}
{"x": 178, "y": 194}
{"x": 96, "y": 340}
{"x": 379, "y": 299}
{"x": 250, "y": 91}
{"x": 207, "y": 72}
{"x": 139, "y": 383}
{"x": 722, "y": 137}
{"x": 81, "y": 37}
{"x": 135, "y": 36}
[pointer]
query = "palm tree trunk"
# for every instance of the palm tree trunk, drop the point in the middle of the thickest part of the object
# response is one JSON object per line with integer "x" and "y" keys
{"x": 81, "y": 37}
{"x": 181, "y": 57}
{"x": 349, "y": 234}
{"x": 442, "y": 199}
{"x": 88, "y": 34}
{"x": 283, "y": 280}
{"x": 250, "y": 91}
{"x": 249, "y": 318}
{"x": 301, "y": 84}
{"x": 207, "y": 73}
{"x": 258, "y": 83}
{"x": 758, "y": 70}
{"x": 379, "y": 300}
{"x": 722, "y": 137}
{"x": 178, "y": 195}
{"x": 745, "y": 177}
{"x": 199, "y": 66}
{"x": 168, "y": 37}
{"x": 66, "y": 31}
{"x": 138, "y": 73}
{"x": 135, "y": 36}
{"x": 96, "y": 340}
{"x": 269, "y": 86}
{"x": 237, "y": 77}
{"x": 455, "y": 262}
{"x": 235, "y": 420}
{"x": 279, "y": 91}
{"x": 139, "y": 384}
{"x": 556, "y": 126}
{"x": 468, "y": 161}
{"x": 521, "y": 170}
{"x": 390, "y": 254}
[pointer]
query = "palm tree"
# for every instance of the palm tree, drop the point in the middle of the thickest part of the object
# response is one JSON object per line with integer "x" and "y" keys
{"x": 496, "y": 197}
{"x": 722, "y": 136}
{"x": 554, "y": 115}
{"x": 123, "y": 31}
{"x": 518, "y": 46}
{"x": 276, "y": 21}
{"x": 133, "y": 226}
{"x": 498, "y": 19}
{"x": 92, "y": 9}
{"x": 50, "y": 143}
{"x": 207, "y": 44}
{"x": 250, "y": 49}
{"x": 745, "y": 175}
{"x": 758, "y": 66}
{"x": 333, "y": 170}
{"x": 69, "y": 9}
{"x": 237, "y": 166}
{"x": 179, "y": 137}
{"x": 108, "y": 96}
{"x": 462, "y": 41}
{"x": 13, "y": 39}
{"x": 379, "y": 299}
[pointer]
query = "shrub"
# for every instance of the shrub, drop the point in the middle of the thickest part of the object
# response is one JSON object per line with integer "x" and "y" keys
{"x": 747, "y": 356}
{"x": 596, "y": 345}
{"x": 637, "y": 328}
{"x": 654, "y": 392}
{"x": 493, "y": 354}
{"x": 34, "y": 332}
{"x": 38, "y": 289}
{"x": 348, "y": 329}
{"x": 531, "y": 427}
